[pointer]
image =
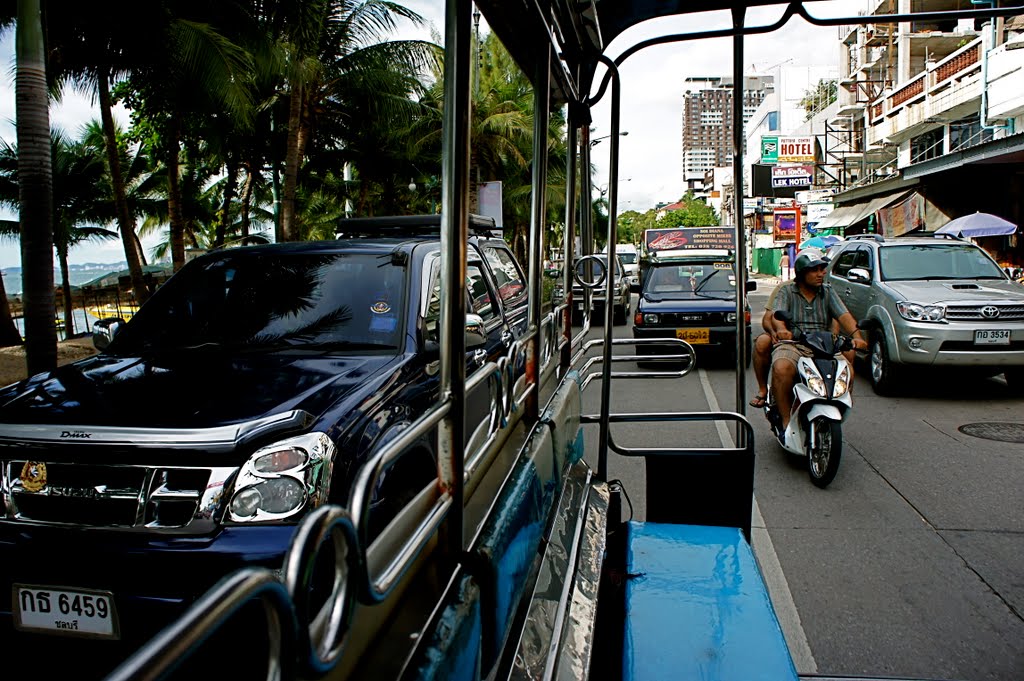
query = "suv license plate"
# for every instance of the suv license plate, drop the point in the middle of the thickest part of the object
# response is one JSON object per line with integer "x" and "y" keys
{"x": 992, "y": 337}
{"x": 68, "y": 612}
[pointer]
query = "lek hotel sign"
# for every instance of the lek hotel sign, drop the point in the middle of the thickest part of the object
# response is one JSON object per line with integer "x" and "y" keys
{"x": 795, "y": 162}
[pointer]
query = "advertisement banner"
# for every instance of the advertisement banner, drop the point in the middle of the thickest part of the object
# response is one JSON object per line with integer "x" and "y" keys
{"x": 792, "y": 176}
{"x": 903, "y": 217}
{"x": 770, "y": 150}
{"x": 796, "y": 150}
{"x": 688, "y": 238}
{"x": 816, "y": 212}
{"x": 785, "y": 226}
{"x": 815, "y": 195}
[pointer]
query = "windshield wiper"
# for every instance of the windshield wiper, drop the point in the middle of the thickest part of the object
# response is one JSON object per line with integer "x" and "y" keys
{"x": 341, "y": 345}
{"x": 706, "y": 279}
{"x": 708, "y": 295}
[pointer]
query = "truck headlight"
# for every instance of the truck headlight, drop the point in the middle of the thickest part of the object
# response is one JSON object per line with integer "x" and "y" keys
{"x": 650, "y": 318}
{"x": 730, "y": 317}
{"x": 917, "y": 312}
{"x": 280, "y": 480}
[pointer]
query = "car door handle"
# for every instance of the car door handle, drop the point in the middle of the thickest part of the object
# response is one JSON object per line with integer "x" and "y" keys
{"x": 849, "y": 290}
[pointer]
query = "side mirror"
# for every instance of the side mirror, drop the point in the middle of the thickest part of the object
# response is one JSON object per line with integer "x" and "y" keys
{"x": 859, "y": 274}
{"x": 869, "y": 325}
{"x": 476, "y": 333}
{"x": 104, "y": 330}
{"x": 552, "y": 273}
{"x": 751, "y": 285}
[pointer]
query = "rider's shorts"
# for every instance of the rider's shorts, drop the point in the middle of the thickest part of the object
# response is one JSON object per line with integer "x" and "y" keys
{"x": 790, "y": 352}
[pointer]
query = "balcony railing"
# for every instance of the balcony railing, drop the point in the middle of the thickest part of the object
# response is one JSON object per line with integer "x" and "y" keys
{"x": 924, "y": 89}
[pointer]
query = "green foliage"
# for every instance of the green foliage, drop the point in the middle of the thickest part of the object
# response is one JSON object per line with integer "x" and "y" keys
{"x": 695, "y": 213}
{"x": 819, "y": 96}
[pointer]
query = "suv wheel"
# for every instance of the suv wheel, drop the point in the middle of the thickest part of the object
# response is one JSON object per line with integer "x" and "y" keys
{"x": 882, "y": 369}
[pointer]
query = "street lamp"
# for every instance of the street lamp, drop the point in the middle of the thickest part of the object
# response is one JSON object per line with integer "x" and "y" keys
{"x": 412, "y": 185}
{"x": 594, "y": 141}
{"x": 604, "y": 189}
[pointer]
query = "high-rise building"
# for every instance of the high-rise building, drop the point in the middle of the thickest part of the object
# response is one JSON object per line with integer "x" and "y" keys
{"x": 707, "y": 121}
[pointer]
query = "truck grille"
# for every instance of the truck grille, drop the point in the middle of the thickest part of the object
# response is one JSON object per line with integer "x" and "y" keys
{"x": 112, "y": 496}
{"x": 691, "y": 318}
{"x": 983, "y": 313}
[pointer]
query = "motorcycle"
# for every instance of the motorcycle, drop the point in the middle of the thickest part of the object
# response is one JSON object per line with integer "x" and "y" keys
{"x": 821, "y": 402}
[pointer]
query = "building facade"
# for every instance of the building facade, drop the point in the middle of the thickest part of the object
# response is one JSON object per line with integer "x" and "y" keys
{"x": 707, "y": 121}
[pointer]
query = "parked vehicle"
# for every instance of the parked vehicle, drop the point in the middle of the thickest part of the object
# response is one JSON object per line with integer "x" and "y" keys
{"x": 931, "y": 301}
{"x": 245, "y": 394}
{"x": 821, "y": 402}
{"x": 620, "y": 301}
{"x": 629, "y": 255}
{"x": 691, "y": 295}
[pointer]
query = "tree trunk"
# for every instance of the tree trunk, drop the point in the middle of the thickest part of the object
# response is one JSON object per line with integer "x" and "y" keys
{"x": 65, "y": 285}
{"x": 246, "y": 200}
{"x": 8, "y": 331}
{"x": 291, "y": 164}
{"x": 174, "y": 216}
{"x": 224, "y": 223}
{"x": 35, "y": 190}
{"x": 125, "y": 224}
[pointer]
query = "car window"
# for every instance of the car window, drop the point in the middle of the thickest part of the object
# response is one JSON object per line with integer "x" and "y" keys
{"x": 507, "y": 274}
{"x": 936, "y": 261}
{"x": 262, "y": 299}
{"x": 845, "y": 262}
{"x": 863, "y": 258}
{"x": 480, "y": 299}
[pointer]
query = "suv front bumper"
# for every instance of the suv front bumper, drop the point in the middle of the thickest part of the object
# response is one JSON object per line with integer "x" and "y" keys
{"x": 953, "y": 344}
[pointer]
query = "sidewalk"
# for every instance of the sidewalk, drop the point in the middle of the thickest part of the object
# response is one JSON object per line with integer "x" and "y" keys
{"x": 768, "y": 281}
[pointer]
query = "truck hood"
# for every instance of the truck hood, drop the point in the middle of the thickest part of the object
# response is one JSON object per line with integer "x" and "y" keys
{"x": 959, "y": 291}
{"x": 187, "y": 390}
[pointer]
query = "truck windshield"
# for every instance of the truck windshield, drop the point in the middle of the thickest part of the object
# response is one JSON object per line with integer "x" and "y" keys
{"x": 939, "y": 261}
{"x": 675, "y": 281}
{"x": 271, "y": 301}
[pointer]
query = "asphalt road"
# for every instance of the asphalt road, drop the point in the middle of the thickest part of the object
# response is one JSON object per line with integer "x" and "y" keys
{"x": 911, "y": 564}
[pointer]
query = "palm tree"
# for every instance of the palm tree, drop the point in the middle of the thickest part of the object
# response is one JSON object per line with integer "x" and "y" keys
{"x": 77, "y": 172}
{"x": 35, "y": 189}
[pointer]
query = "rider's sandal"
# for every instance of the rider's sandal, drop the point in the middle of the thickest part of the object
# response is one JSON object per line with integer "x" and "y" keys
{"x": 758, "y": 401}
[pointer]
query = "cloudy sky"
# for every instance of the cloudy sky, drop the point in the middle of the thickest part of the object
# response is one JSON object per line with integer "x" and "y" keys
{"x": 652, "y": 88}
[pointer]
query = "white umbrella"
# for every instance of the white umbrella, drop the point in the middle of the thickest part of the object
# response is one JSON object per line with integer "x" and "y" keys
{"x": 978, "y": 224}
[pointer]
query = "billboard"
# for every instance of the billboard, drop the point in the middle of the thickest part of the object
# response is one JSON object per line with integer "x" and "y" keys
{"x": 688, "y": 238}
{"x": 787, "y": 225}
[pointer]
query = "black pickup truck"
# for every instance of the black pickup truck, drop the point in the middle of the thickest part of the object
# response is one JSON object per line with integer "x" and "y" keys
{"x": 245, "y": 393}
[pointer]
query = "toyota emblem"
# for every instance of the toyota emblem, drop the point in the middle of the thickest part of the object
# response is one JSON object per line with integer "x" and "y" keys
{"x": 990, "y": 312}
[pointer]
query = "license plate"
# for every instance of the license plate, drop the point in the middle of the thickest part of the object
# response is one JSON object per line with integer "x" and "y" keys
{"x": 992, "y": 337}
{"x": 69, "y": 612}
{"x": 694, "y": 335}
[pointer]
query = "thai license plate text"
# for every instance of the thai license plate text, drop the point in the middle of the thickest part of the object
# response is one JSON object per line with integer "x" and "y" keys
{"x": 694, "y": 336}
{"x": 69, "y": 612}
{"x": 992, "y": 337}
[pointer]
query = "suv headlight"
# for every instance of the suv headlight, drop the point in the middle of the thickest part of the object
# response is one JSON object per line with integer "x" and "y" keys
{"x": 282, "y": 479}
{"x": 916, "y": 312}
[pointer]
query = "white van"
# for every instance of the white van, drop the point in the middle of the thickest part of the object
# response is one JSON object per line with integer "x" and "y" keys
{"x": 630, "y": 257}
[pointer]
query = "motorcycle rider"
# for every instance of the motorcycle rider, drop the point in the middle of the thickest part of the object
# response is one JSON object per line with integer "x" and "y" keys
{"x": 813, "y": 306}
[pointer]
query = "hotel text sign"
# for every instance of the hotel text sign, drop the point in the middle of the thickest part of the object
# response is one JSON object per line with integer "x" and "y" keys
{"x": 796, "y": 150}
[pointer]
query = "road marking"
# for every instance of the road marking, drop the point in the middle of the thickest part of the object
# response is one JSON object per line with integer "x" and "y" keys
{"x": 771, "y": 569}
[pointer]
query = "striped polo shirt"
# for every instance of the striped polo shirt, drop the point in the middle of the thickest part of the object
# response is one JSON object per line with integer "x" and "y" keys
{"x": 810, "y": 315}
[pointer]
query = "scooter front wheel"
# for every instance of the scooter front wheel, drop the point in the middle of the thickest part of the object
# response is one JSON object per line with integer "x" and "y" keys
{"x": 826, "y": 448}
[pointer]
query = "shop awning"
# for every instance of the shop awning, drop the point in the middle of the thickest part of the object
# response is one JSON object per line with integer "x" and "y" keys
{"x": 848, "y": 216}
{"x": 837, "y": 218}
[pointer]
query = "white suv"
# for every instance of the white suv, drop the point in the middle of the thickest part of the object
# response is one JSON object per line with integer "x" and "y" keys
{"x": 630, "y": 257}
{"x": 931, "y": 301}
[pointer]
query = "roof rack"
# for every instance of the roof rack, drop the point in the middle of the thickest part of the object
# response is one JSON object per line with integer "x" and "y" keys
{"x": 409, "y": 225}
{"x": 875, "y": 237}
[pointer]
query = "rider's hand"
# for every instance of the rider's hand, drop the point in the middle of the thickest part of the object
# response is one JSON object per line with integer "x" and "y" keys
{"x": 860, "y": 344}
{"x": 785, "y": 334}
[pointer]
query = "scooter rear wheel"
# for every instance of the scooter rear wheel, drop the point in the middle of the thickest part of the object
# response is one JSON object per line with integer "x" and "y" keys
{"x": 825, "y": 451}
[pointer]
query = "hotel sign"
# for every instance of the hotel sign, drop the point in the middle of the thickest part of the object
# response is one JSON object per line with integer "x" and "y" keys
{"x": 796, "y": 150}
{"x": 792, "y": 176}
